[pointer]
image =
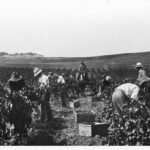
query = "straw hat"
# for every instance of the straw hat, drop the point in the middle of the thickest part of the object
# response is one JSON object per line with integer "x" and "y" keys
{"x": 139, "y": 65}
{"x": 15, "y": 77}
{"x": 36, "y": 71}
{"x": 16, "y": 82}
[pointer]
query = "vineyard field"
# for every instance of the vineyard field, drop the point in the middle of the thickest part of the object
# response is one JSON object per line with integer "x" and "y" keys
{"x": 20, "y": 112}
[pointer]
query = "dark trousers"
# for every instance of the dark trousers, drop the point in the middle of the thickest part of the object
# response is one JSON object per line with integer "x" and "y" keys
{"x": 63, "y": 97}
{"x": 45, "y": 106}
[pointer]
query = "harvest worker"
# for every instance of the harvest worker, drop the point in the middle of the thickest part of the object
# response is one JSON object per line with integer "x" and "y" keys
{"x": 142, "y": 77}
{"x": 71, "y": 83}
{"x": 63, "y": 89}
{"x": 61, "y": 79}
{"x": 16, "y": 82}
{"x": 106, "y": 82}
{"x": 124, "y": 95}
{"x": 43, "y": 81}
{"x": 144, "y": 82}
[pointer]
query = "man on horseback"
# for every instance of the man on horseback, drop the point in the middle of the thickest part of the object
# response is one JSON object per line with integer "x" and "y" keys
{"x": 81, "y": 78}
{"x": 83, "y": 70}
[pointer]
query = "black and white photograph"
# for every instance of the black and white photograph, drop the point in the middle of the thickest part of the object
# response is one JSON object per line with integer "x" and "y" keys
{"x": 74, "y": 73}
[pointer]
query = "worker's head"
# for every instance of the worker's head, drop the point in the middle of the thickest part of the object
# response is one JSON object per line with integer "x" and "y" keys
{"x": 108, "y": 78}
{"x": 82, "y": 63}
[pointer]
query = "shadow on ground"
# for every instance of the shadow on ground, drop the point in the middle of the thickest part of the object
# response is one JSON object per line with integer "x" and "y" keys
{"x": 43, "y": 138}
{"x": 44, "y": 132}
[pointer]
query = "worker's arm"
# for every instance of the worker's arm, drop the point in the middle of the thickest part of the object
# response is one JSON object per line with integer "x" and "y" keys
{"x": 100, "y": 89}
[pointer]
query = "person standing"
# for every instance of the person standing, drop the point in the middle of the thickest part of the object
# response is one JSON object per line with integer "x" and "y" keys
{"x": 43, "y": 82}
{"x": 63, "y": 89}
{"x": 71, "y": 84}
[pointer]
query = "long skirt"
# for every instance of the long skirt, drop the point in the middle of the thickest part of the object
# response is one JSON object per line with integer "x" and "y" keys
{"x": 45, "y": 106}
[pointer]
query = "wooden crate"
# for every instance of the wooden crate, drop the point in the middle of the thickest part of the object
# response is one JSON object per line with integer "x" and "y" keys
{"x": 95, "y": 99}
{"x": 74, "y": 104}
{"x": 91, "y": 99}
{"x": 84, "y": 116}
{"x": 93, "y": 129}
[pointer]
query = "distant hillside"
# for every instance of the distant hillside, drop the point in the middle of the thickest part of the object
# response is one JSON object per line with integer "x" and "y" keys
{"x": 106, "y": 62}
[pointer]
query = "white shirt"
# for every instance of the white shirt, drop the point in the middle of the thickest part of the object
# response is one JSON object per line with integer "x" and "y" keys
{"x": 131, "y": 90}
{"x": 43, "y": 81}
{"x": 60, "y": 79}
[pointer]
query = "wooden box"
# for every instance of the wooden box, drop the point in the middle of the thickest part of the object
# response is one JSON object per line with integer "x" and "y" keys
{"x": 91, "y": 99}
{"x": 74, "y": 104}
{"x": 93, "y": 129}
{"x": 84, "y": 116}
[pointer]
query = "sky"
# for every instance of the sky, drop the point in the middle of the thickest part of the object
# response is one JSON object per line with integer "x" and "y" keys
{"x": 74, "y": 28}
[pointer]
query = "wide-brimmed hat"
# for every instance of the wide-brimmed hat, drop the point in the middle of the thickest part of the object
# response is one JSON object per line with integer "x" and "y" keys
{"x": 15, "y": 77}
{"x": 36, "y": 71}
{"x": 16, "y": 82}
{"x": 139, "y": 65}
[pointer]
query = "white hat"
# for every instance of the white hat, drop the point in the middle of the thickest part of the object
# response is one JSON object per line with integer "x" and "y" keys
{"x": 36, "y": 71}
{"x": 139, "y": 65}
{"x": 108, "y": 78}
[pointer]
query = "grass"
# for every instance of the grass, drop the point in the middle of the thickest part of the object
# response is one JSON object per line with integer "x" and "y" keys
{"x": 108, "y": 61}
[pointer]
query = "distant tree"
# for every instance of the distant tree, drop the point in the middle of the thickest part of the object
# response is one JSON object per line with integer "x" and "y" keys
{"x": 19, "y": 54}
{"x": 3, "y": 53}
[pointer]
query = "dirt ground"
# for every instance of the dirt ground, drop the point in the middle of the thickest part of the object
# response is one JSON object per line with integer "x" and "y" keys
{"x": 63, "y": 130}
